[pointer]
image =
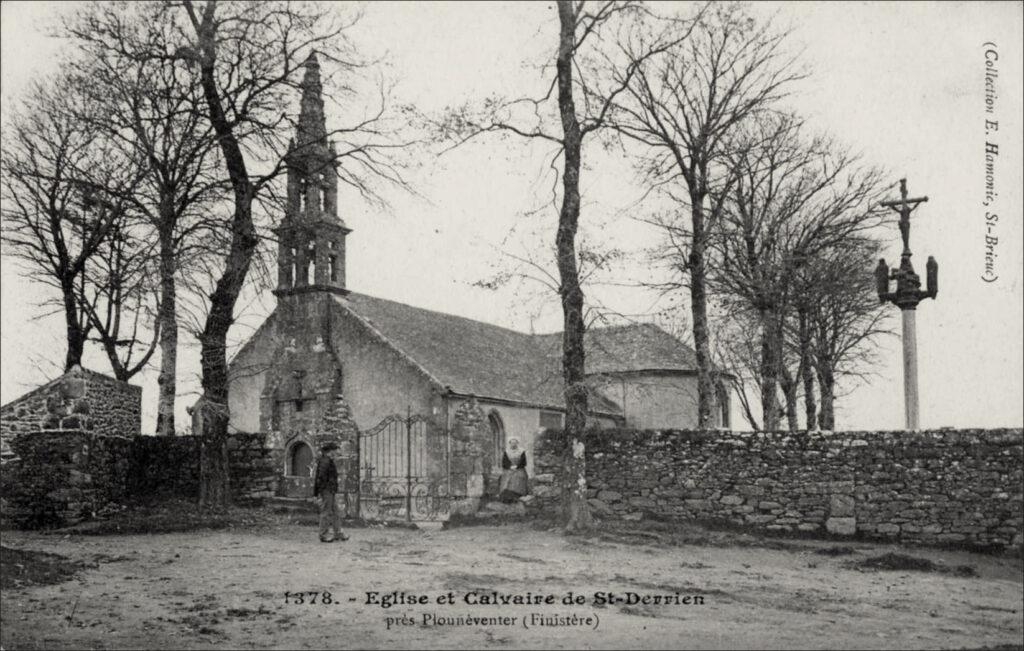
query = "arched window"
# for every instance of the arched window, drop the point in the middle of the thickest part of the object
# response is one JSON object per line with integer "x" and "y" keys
{"x": 303, "y": 185}
{"x": 300, "y": 460}
{"x": 723, "y": 406}
{"x": 497, "y": 437}
{"x": 311, "y": 262}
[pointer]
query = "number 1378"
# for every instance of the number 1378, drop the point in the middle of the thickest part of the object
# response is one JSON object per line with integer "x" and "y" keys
{"x": 309, "y": 597}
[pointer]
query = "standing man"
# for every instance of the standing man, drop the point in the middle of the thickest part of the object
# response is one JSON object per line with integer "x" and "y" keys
{"x": 325, "y": 486}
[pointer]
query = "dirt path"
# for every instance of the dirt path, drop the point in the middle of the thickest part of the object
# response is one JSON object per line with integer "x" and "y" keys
{"x": 227, "y": 589}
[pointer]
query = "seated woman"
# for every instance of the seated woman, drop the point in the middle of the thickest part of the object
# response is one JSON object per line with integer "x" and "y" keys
{"x": 514, "y": 481}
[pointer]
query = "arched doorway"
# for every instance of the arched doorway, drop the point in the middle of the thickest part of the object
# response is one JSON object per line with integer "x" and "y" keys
{"x": 497, "y": 428}
{"x": 300, "y": 459}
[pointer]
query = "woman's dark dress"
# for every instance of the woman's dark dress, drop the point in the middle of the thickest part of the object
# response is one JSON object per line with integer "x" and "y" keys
{"x": 514, "y": 481}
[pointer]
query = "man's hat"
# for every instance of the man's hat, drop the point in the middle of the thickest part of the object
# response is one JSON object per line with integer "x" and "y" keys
{"x": 330, "y": 446}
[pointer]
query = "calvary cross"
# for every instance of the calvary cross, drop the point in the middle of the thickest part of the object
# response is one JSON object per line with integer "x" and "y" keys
{"x": 907, "y": 295}
{"x": 904, "y": 207}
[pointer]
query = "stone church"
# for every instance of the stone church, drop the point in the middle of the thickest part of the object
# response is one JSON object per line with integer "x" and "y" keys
{"x": 413, "y": 395}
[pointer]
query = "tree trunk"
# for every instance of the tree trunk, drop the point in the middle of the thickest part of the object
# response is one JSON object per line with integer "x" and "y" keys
{"x": 577, "y": 510}
{"x": 769, "y": 373}
{"x": 214, "y": 489}
{"x": 167, "y": 380}
{"x": 789, "y": 386}
{"x": 74, "y": 330}
{"x": 807, "y": 371}
{"x": 699, "y": 313}
{"x": 826, "y": 416}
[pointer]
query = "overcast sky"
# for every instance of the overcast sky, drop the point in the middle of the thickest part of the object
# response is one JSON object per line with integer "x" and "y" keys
{"x": 901, "y": 83}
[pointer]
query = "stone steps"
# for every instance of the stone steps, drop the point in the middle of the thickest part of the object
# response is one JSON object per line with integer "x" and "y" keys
{"x": 292, "y": 504}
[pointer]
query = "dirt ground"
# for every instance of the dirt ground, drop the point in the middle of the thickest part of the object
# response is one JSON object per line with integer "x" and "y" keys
{"x": 226, "y": 589}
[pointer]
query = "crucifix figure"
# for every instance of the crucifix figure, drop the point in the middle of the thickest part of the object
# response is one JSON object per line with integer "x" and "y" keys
{"x": 904, "y": 207}
{"x": 906, "y": 297}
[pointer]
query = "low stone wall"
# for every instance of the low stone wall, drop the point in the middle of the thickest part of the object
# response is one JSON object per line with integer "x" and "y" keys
{"x": 164, "y": 466}
{"x": 946, "y": 486}
{"x": 64, "y": 476}
{"x": 548, "y": 465}
{"x": 255, "y": 470}
{"x": 78, "y": 400}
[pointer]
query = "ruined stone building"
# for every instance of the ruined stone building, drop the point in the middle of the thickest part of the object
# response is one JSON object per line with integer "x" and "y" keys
{"x": 331, "y": 363}
{"x": 79, "y": 400}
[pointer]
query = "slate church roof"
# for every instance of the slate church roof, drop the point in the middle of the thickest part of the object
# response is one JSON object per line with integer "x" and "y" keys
{"x": 475, "y": 358}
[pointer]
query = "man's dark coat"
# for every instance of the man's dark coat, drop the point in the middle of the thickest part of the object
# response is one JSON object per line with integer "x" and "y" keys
{"x": 326, "y": 480}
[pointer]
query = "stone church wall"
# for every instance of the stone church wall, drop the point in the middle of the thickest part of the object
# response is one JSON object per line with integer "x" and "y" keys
{"x": 947, "y": 486}
{"x": 652, "y": 400}
{"x": 248, "y": 373}
{"x": 378, "y": 381}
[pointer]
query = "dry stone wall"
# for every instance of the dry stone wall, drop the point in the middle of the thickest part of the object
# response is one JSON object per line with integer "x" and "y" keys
{"x": 64, "y": 476}
{"x": 934, "y": 487}
{"x": 548, "y": 465}
{"x": 947, "y": 486}
{"x": 78, "y": 400}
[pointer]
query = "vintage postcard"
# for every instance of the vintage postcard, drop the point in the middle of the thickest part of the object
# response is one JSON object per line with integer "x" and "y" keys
{"x": 568, "y": 324}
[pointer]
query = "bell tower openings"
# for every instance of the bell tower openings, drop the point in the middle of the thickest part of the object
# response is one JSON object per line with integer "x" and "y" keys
{"x": 311, "y": 236}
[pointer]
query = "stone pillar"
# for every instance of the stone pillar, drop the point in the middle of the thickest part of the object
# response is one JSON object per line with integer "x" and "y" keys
{"x": 338, "y": 426}
{"x": 467, "y": 480}
{"x": 312, "y": 196}
{"x": 294, "y": 192}
{"x": 322, "y": 276}
{"x": 284, "y": 261}
{"x": 910, "y": 367}
{"x": 330, "y": 191}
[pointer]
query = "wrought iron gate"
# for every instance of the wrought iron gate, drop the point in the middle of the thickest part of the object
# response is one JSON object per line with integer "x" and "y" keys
{"x": 403, "y": 470}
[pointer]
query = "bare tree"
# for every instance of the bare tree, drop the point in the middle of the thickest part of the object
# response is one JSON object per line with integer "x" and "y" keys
{"x": 737, "y": 355}
{"x": 155, "y": 114}
{"x": 246, "y": 58}
{"x": 845, "y": 319}
{"x": 792, "y": 199}
{"x": 581, "y": 93}
{"x": 118, "y": 297}
{"x": 56, "y": 219}
{"x": 681, "y": 109}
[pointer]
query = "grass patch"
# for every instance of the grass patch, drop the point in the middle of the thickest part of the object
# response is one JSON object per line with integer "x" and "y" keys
{"x": 902, "y": 562}
{"x": 23, "y": 567}
{"x": 457, "y": 520}
{"x": 836, "y": 551}
{"x": 676, "y": 533}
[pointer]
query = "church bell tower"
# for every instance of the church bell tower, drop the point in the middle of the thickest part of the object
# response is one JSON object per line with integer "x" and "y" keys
{"x": 311, "y": 236}
{"x": 302, "y": 405}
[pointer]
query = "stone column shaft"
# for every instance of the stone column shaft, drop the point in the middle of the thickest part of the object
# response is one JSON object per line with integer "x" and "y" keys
{"x": 910, "y": 367}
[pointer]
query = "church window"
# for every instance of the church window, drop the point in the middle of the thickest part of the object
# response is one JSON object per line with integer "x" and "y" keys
{"x": 300, "y": 460}
{"x": 333, "y": 262}
{"x": 303, "y": 184}
{"x": 310, "y": 271}
{"x": 550, "y": 420}
{"x": 723, "y": 406}
{"x": 293, "y": 262}
{"x": 497, "y": 436}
